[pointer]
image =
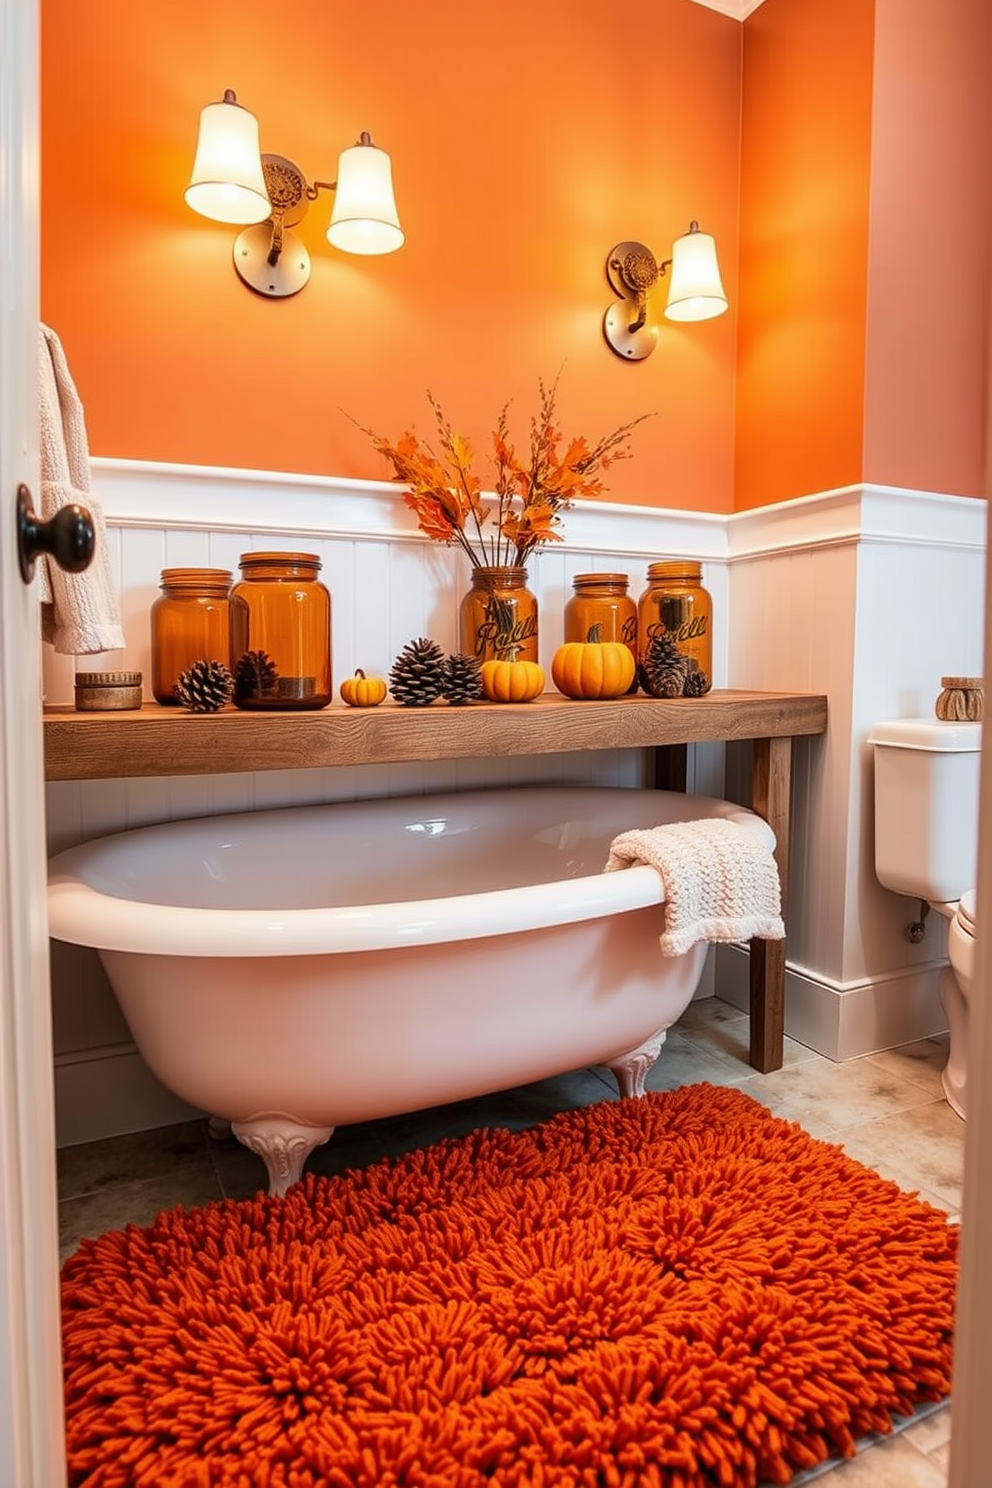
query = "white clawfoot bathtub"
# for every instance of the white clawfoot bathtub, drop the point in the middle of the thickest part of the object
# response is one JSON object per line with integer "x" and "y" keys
{"x": 295, "y": 970}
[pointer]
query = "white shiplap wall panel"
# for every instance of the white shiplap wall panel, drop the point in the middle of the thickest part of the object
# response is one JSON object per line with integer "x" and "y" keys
{"x": 922, "y": 609}
{"x": 801, "y": 610}
{"x": 866, "y": 595}
{"x": 224, "y": 550}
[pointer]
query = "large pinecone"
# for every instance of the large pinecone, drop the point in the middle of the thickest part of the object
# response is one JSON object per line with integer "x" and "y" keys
{"x": 663, "y": 669}
{"x": 463, "y": 679}
{"x": 255, "y": 676}
{"x": 205, "y": 686}
{"x": 418, "y": 674}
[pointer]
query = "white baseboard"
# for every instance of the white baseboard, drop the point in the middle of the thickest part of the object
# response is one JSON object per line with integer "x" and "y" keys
{"x": 844, "y": 1022}
{"x": 109, "y": 1092}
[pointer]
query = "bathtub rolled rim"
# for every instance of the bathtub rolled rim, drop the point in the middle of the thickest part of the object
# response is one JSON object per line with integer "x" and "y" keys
{"x": 82, "y": 915}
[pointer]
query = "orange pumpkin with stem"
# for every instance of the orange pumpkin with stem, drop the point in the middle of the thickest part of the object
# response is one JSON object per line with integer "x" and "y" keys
{"x": 361, "y": 691}
{"x": 507, "y": 681}
{"x": 593, "y": 668}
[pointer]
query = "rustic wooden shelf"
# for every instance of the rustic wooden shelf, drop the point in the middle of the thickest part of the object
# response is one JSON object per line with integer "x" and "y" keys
{"x": 171, "y": 741}
{"x": 153, "y": 741}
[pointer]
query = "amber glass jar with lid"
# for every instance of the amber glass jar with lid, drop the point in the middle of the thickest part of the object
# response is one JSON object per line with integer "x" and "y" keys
{"x": 676, "y": 606}
{"x": 190, "y": 621}
{"x": 602, "y": 599}
{"x": 281, "y": 632}
{"x": 497, "y": 620}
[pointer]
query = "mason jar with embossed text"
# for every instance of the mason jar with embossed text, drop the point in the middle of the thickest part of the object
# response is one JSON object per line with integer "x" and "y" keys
{"x": 497, "y": 619}
{"x": 602, "y": 599}
{"x": 677, "y": 606}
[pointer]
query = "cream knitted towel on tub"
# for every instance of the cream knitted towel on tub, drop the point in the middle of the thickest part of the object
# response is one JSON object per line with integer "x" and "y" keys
{"x": 720, "y": 882}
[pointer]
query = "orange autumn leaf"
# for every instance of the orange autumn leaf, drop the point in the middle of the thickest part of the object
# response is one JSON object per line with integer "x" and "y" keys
{"x": 523, "y": 511}
{"x": 432, "y": 520}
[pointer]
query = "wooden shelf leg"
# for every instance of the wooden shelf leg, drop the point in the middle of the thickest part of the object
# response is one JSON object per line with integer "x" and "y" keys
{"x": 770, "y": 782}
{"x": 671, "y": 767}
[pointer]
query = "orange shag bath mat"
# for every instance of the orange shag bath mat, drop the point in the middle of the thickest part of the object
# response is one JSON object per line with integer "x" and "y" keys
{"x": 675, "y": 1291}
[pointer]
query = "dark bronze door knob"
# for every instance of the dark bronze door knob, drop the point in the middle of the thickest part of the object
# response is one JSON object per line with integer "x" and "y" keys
{"x": 69, "y": 537}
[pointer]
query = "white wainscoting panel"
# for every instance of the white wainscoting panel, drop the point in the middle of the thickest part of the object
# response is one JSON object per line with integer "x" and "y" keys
{"x": 869, "y": 595}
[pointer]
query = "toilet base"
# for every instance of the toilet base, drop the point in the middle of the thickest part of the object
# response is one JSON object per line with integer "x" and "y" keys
{"x": 954, "y": 1095}
{"x": 954, "y": 1077}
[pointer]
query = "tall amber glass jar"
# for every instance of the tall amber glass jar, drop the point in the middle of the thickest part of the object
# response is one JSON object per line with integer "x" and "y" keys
{"x": 498, "y": 616}
{"x": 189, "y": 622}
{"x": 281, "y": 632}
{"x": 675, "y": 605}
{"x": 602, "y": 599}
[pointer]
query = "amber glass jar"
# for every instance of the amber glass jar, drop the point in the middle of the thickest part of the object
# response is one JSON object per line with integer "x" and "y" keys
{"x": 498, "y": 616}
{"x": 602, "y": 599}
{"x": 676, "y": 605}
{"x": 281, "y": 632}
{"x": 190, "y": 622}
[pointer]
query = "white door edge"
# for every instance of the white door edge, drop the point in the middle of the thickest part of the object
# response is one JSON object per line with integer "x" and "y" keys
{"x": 32, "y": 1447}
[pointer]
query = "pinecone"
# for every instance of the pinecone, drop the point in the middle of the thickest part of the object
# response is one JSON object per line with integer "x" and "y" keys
{"x": 697, "y": 684}
{"x": 205, "y": 686}
{"x": 462, "y": 679}
{"x": 418, "y": 674}
{"x": 663, "y": 669}
{"x": 255, "y": 676}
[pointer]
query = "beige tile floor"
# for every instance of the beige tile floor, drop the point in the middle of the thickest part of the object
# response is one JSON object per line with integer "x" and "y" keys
{"x": 887, "y": 1110}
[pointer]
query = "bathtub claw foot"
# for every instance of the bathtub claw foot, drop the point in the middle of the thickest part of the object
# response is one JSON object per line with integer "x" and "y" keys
{"x": 631, "y": 1070}
{"x": 283, "y": 1144}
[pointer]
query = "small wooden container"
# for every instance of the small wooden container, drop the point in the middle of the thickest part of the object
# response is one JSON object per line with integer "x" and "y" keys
{"x": 962, "y": 700}
{"x": 107, "y": 692}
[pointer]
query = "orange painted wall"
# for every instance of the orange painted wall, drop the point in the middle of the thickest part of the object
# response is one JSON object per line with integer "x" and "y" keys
{"x": 929, "y": 296}
{"x": 866, "y": 247}
{"x": 526, "y": 141}
{"x": 805, "y": 179}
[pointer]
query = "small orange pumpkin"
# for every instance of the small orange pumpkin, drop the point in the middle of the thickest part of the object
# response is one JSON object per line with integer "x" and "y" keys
{"x": 512, "y": 681}
{"x": 593, "y": 668}
{"x": 360, "y": 691}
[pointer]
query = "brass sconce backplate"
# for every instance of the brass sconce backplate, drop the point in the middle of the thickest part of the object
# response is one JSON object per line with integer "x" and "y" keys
{"x": 631, "y": 270}
{"x": 268, "y": 257}
{"x": 289, "y": 273}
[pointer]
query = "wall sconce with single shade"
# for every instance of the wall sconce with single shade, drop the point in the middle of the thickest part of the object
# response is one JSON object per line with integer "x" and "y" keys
{"x": 268, "y": 195}
{"x": 695, "y": 290}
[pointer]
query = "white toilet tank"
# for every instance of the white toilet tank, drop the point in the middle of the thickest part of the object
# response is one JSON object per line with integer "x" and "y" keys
{"x": 926, "y": 807}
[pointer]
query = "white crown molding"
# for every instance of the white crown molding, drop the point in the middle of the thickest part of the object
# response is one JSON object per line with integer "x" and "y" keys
{"x": 738, "y": 10}
{"x": 857, "y": 514}
{"x": 147, "y": 494}
{"x": 140, "y": 493}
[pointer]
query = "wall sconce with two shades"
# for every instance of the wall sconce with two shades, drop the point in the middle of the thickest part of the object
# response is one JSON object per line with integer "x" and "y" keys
{"x": 268, "y": 195}
{"x": 695, "y": 290}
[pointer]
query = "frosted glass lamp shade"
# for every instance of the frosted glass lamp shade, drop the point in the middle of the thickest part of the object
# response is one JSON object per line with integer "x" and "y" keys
{"x": 364, "y": 219}
{"x": 695, "y": 290}
{"x": 227, "y": 184}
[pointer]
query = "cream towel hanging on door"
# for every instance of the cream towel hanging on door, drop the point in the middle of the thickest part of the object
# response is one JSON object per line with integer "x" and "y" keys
{"x": 80, "y": 613}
